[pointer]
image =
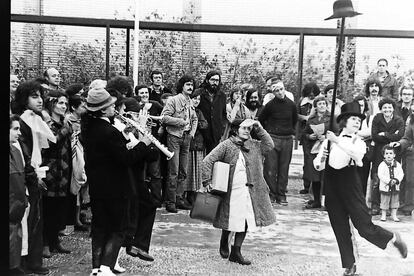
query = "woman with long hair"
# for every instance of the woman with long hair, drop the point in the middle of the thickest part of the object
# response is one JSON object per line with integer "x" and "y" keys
{"x": 235, "y": 109}
{"x": 58, "y": 157}
{"x": 246, "y": 205}
{"x": 304, "y": 107}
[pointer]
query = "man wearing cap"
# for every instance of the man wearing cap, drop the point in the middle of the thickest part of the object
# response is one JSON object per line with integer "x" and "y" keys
{"x": 107, "y": 165}
{"x": 270, "y": 87}
{"x": 213, "y": 106}
{"x": 279, "y": 117}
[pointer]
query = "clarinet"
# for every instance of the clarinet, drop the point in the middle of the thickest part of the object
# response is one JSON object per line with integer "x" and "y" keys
{"x": 133, "y": 124}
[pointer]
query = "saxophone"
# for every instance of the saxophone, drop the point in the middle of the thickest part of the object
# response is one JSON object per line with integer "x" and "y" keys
{"x": 131, "y": 123}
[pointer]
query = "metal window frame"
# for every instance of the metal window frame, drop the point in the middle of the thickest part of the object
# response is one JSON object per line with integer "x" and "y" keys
{"x": 205, "y": 28}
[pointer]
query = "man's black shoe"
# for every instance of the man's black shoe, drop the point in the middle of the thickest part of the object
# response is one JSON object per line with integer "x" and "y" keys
{"x": 16, "y": 272}
{"x": 401, "y": 246}
{"x": 282, "y": 202}
{"x": 304, "y": 191}
{"x": 37, "y": 270}
{"x": 183, "y": 205}
{"x": 313, "y": 205}
{"x": 81, "y": 228}
{"x": 138, "y": 252}
{"x": 59, "y": 249}
{"x": 171, "y": 208}
{"x": 350, "y": 271}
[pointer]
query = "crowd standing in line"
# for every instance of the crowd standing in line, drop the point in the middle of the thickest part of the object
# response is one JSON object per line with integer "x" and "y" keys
{"x": 76, "y": 148}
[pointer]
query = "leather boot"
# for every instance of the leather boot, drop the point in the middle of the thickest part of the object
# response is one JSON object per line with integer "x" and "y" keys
{"x": 224, "y": 246}
{"x": 236, "y": 256}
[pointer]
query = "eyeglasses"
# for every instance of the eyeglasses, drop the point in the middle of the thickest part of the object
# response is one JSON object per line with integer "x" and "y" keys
{"x": 214, "y": 80}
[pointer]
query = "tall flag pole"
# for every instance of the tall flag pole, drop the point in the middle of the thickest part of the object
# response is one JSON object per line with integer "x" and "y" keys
{"x": 136, "y": 43}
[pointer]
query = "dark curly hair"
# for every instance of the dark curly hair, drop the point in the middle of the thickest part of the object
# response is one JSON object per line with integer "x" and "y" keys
{"x": 386, "y": 101}
{"x": 310, "y": 87}
{"x": 249, "y": 94}
{"x": 73, "y": 89}
{"x": 23, "y": 92}
{"x": 370, "y": 81}
{"x": 183, "y": 80}
{"x": 52, "y": 99}
{"x": 121, "y": 84}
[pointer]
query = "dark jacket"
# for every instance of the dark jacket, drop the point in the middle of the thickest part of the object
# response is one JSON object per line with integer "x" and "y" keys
{"x": 279, "y": 117}
{"x": 228, "y": 152}
{"x": 215, "y": 114}
{"x": 394, "y": 131}
{"x": 17, "y": 205}
{"x": 402, "y": 112}
{"x": 389, "y": 86}
{"x": 26, "y": 143}
{"x": 107, "y": 160}
{"x": 154, "y": 96}
{"x": 197, "y": 143}
{"x": 58, "y": 157}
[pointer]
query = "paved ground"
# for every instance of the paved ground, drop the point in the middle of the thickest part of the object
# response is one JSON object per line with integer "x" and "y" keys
{"x": 300, "y": 243}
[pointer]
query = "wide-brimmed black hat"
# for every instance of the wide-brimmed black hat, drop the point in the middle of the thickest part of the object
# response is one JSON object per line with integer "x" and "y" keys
{"x": 350, "y": 109}
{"x": 343, "y": 8}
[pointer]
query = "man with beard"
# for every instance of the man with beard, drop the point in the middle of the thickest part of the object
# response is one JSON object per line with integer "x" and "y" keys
{"x": 181, "y": 121}
{"x": 213, "y": 106}
{"x": 253, "y": 102}
{"x": 279, "y": 117}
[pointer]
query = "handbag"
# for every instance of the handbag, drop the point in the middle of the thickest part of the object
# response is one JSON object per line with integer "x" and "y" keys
{"x": 220, "y": 178}
{"x": 205, "y": 206}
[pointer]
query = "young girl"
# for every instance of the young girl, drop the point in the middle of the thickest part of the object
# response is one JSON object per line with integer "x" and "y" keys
{"x": 344, "y": 197}
{"x": 390, "y": 174}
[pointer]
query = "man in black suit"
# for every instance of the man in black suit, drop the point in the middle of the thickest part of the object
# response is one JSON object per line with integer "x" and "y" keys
{"x": 108, "y": 163}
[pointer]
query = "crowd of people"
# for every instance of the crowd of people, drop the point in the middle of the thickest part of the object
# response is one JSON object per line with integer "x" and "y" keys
{"x": 125, "y": 151}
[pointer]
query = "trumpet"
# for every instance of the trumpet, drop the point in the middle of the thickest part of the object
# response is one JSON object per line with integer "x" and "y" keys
{"x": 133, "y": 124}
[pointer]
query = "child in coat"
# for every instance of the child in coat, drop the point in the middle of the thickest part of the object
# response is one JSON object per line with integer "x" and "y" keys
{"x": 390, "y": 174}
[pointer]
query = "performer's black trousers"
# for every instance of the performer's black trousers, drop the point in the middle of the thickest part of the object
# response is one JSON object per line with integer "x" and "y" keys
{"x": 344, "y": 200}
{"x": 108, "y": 229}
{"x": 144, "y": 225}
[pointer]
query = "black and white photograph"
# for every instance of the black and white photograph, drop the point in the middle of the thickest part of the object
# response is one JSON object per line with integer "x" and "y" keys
{"x": 207, "y": 137}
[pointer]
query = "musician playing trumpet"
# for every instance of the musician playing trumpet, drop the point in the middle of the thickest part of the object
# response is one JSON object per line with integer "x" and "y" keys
{"x": 180, "y": 119}
{"x": 108, "y": 165}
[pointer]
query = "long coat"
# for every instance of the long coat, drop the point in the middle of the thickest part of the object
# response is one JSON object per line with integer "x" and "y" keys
{"x": 17, "y": 205}
{"x": 394, "y": 131}
{"x": 407, "y": 146}
{"x": 215, "y": 114}
{"x": 108, "y": 161}
{"x": 228, "y": 152}
{"x": 58, "y": 157}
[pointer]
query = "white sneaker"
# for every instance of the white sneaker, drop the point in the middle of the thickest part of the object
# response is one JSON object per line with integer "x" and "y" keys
{"x": 105, "y": 271}
{"x": 118, "y": 268}
{"x": 94, "y": 272}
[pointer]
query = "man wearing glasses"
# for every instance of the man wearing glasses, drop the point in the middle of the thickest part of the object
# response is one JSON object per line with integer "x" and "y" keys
{"x": 404, "y": 105}
{"x": 279, "y": 117}
{"x": 213, "y": 106}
